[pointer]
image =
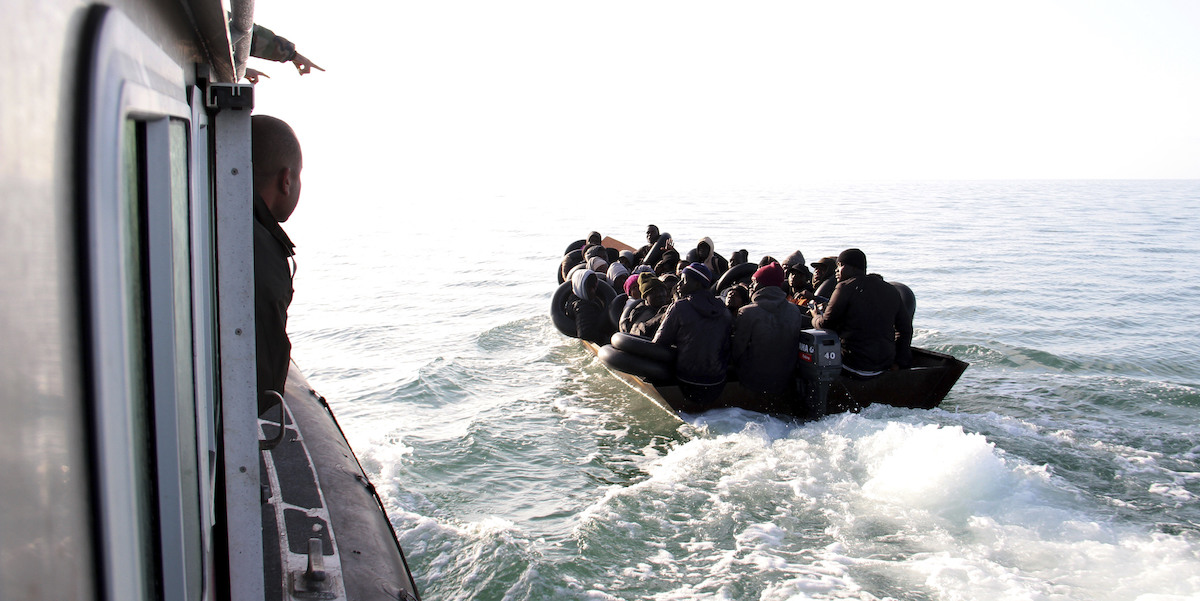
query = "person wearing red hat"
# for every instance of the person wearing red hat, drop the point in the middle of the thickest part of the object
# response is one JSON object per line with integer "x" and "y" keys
{"x": 868, "y": 315}
{"x": 766, "y": 335}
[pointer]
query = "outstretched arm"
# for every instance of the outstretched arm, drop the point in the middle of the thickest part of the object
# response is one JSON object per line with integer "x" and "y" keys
{"x": 267, "y": 45}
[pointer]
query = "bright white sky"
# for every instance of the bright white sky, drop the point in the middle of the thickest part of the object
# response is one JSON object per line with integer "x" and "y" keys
{"x": 505, "y": 95}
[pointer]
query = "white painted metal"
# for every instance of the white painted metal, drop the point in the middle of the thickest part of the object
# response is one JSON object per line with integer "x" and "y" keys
{"x": 235, "y": 308}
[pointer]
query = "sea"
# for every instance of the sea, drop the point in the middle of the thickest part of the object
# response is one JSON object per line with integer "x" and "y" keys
{"x": 1065, "y": 464}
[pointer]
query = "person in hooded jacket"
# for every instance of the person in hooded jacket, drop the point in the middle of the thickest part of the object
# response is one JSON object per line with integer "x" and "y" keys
{"x": 869, "y": 316}
{"x": 797, "y": 278}
{"x": 706, "y": 253}
{"x": 600, "y": 266}
{"x": 586, "y": 307}
{"x": 766, "y": 338}
{"x": 618, "y": 270}
{"x": 698, "y": 325}
{"x": 645, "y": 318}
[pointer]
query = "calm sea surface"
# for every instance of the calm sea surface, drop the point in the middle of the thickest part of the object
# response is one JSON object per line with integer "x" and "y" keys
{"x": 1064, "y": 465}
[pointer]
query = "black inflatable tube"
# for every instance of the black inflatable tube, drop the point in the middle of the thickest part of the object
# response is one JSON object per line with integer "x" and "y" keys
{"x": 654, "y": 255}
{"x": 576, "y": 245}
{"x": 643, "y": 347}
{"x": 734, "y": 275}
{"x": 647, "y": 369}
{"x": 907, "y": 296}
{"x": 615, "y": 308}
{"x": 558, "y": 311}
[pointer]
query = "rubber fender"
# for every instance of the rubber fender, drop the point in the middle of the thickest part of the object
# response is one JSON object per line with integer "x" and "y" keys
{"x": 569, "y": 261}
{"x": 558, "y": 311}
{"x": 615, "y": 308}
{"x": 643, "y": 347}
{"x": 576, "y": 245}
{"x": 735, "y": 274}
{"x": 654, "y": 255}
{"x": 647, "y": 369}
{"x": 907, "y": 297}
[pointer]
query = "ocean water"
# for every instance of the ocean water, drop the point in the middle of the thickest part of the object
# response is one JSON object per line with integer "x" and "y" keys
{"x": 1064, "y": 465}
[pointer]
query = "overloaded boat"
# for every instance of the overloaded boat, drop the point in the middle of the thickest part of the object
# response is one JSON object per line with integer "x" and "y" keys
{"x": 822, "y": 386}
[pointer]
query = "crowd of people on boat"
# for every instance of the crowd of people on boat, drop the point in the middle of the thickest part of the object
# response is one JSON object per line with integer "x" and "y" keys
{"x": 729, "y": 314}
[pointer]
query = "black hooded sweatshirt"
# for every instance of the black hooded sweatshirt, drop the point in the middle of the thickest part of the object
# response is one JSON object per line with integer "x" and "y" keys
{"x": 699, "y": 326}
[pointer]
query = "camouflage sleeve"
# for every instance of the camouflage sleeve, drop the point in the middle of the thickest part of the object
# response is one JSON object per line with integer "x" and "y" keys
{"x": 265, "y": 44}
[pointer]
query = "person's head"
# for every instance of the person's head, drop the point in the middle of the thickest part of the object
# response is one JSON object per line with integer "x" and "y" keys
{"x": 594, "y": 238}
{"x": 584, "y": 283}
{"x": 631, "y": 287}
{"x": 696, "y": 276}
{"x": 769, "y": 275}
{"x": 825, "y": 268}
{"x": 794, "y": 262}
{"x": 850, "y": 263}
{"x": 736, "y": 297}
{"x": 651, "y": 233}
{"x": 626, "y": 258}
{"x": 739, "y": 257}
{"x": 655, "y": 293}
{"x": 275, "y": 152}
{"x": 592, "y": 250}
{"x": 642, "y": 279}
{"x": 766, "y": 260}
{"x": 704, "y": 249}
{"x": 672, "y": 282}
{"x": 597, "y": 265}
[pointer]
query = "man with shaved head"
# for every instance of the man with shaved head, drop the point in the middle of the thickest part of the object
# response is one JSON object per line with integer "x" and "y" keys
{"x": 277, "y": 164}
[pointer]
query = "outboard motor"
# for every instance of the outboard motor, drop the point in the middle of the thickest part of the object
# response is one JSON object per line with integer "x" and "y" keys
{"x": 819, "y": 365}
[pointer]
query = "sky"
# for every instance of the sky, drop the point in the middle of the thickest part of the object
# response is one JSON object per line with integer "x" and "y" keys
{"x": 485, "y": 97}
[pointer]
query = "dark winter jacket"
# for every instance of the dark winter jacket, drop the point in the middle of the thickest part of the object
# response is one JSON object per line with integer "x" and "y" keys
{"x": 766, "y": 340}
{"x": 699, "y": 326}
{"x": 272, "y": 296}
{"x": 640, "y": 319}
{"x": 871, "y": 320}
{"x": 825, "y": 287}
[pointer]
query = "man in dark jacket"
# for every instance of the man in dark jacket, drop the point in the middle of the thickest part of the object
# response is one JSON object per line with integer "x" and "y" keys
{"x": 651, "y": 237}
{"x": 698, "y": 325}
{"x": 277, "y": 159}
{"x": 766, "y": 337}
{"x": 587, "y": 308}
{"x": 824, "y": 278}
{"x": 868, "y": 315}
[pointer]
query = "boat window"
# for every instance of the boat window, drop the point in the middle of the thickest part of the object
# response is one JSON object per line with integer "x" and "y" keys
{"x": 136, "y": 198}
{"x": 133, "y": 307}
